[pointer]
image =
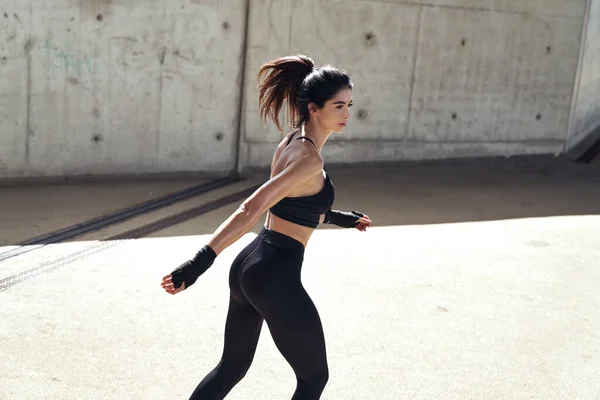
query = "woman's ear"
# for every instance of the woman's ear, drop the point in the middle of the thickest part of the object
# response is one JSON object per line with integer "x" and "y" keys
{"x": 312, "y": 108}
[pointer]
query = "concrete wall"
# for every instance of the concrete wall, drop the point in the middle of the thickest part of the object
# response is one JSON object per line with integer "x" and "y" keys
{"x": 586, "y": 111}
{"x": 118, "y": 86}
{"x": 133, "y": 86}
{"x": 434, "y": 79}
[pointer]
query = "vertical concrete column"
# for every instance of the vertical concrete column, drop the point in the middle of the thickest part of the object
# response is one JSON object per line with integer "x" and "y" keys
{"x": 585, "y": 112}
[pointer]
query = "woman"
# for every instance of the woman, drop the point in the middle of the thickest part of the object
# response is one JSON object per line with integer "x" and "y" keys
{"x": 264, "y": 279}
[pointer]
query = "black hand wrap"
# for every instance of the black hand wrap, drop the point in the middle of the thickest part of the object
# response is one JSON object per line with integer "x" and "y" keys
{"x": 343, "y": 219}
{"x": 190, "y": 270}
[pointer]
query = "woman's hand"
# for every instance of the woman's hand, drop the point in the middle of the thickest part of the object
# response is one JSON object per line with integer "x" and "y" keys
{"x": 364, "y": 222}
{"x": 187, "y": 273}
{"x": 347, "y": 219}
{"x": 169, "y": 286}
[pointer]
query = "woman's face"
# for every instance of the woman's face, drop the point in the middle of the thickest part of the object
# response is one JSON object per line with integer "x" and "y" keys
{"x": 335, "y": 112}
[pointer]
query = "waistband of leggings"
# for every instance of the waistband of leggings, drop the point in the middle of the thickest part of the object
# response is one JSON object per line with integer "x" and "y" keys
{"x": 281, "y": 240}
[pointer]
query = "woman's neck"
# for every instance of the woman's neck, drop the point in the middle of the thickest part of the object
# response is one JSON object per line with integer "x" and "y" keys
{"x": 318, "y": 135}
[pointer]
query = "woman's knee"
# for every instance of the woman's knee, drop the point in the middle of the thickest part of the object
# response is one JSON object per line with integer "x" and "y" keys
{"x": 233, "y": 371}
{"x": 322, "y": 378}
{"x": 315, "y": 381}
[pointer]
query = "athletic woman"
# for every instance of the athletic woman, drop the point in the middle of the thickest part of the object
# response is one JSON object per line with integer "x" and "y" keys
{"x": 264, "y": 279}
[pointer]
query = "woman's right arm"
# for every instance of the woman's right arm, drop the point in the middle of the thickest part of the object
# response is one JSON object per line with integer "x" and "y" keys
{"x": 243, "y": 219}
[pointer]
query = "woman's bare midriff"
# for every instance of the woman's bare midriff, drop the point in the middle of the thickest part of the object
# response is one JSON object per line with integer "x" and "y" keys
{"x": 295, "y": 231}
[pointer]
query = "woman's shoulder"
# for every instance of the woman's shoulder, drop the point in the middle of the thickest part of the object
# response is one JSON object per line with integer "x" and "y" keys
{"x": 286, "y": 155}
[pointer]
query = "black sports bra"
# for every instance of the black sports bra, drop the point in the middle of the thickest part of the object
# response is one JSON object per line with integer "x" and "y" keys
{"x": 306, "y": 210}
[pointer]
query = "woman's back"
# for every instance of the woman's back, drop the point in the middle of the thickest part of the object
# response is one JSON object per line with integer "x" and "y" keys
{"x": 291, "y": 149}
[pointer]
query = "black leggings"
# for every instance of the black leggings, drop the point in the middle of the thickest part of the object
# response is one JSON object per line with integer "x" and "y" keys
{"x": 265, "y": 284}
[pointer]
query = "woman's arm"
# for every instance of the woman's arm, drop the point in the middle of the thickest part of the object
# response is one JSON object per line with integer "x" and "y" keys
{"x": 244, "y": 218}
{"x": 352, "y": 219}
{"x": 250, "y": 211}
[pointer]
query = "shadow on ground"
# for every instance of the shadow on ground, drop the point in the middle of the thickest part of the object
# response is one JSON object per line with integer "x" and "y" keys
{"x": 402, "y": 194}
{"x": 438, "y": 194}
{"x": 434, "y": 194}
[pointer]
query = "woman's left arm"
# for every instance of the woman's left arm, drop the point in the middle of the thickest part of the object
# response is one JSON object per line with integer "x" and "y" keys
{"x": 345, "y": 219}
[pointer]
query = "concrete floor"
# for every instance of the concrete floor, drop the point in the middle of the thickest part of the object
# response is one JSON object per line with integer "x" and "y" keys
{"x": 475, "y": 282}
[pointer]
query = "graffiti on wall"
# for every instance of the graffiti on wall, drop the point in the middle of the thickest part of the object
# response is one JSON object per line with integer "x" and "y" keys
{"x": 77, "y": 67}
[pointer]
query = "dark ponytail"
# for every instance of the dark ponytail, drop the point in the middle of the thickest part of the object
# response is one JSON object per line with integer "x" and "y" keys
{"x": 284, "y": 77}
{"x": 296, "y": 79}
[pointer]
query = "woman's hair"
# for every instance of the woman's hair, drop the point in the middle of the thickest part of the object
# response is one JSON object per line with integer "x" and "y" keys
{"x": 295, "y": 79}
